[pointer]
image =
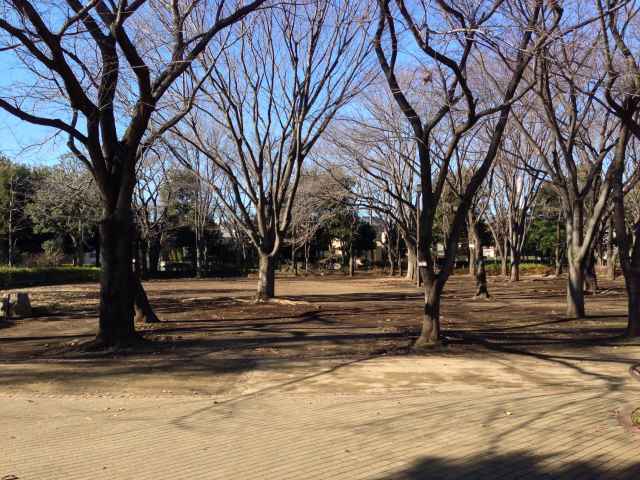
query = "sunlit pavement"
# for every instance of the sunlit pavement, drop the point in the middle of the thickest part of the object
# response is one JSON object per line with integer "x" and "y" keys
{"x": 309, "y": 429}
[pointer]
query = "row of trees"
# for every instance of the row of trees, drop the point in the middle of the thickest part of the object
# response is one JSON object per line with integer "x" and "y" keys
{"x": 445, "y": 115}
{"x": 51, "y": 214}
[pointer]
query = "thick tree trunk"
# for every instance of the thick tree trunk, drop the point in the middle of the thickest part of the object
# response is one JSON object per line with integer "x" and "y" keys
{"x": 430, "y": 332}
{"x": 575, "y": 291}
{"x": 266, "y": 278}
{"x": 633, "y": 299}
{"x": 117, "y": 293}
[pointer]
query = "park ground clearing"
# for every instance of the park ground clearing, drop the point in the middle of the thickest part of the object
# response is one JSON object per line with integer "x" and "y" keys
{"x": 322, "y": 384}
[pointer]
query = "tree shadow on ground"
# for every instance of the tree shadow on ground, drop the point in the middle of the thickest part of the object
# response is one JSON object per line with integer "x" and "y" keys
{"x": 514, "y": 465}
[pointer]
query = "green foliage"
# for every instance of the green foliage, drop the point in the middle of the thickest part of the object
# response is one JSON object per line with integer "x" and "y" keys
{"x": 541, "y": 239}
{"x": 52, "y": 255}
{"x": 365, "y": 237}
{"x": 16, "y": 189}
{"x": 65, "y": 202}
{"x": 525, "y": 269}
{"x": 29, "y": 277}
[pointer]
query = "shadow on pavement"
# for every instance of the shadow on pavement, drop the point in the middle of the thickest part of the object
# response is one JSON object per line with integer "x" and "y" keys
{"x": 509, "y": 466}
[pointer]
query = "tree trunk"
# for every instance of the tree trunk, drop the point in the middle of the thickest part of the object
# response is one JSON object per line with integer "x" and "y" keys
{"x": 590, "y": 277}
{"x": 515, "y": 266}
{"x": 80, "y": 253}
{"x": 198, "y": 255}
{"x": 154, "y": 255}
{"x": 503, "y": 265}
{"x": 266, "y": 278}
{"x": 430, "y": 332}
{"x": 398, "y": 255}
{"x": 482, "y": 288}
{"x": 633, "y": 299}
{"x": 505, "y": 257}
{"x": 10, "y": 248}
{"x": 472, "y": 259}
{"x": 116, "y": 322}
{"x": 411, "y": 263}
{"x": 307, "y": 247}
{"x": 611, "y": 265}
{"x": 558, "y": 251}
{"x": 351, "y": 260}
{"x": 611, "y": 255}
{"x": 98, "y": 249}
{"x": 294, "y": 263}
{"x": 143, "y": 310}
{"x": 558, "y": 266}
{"x": 575, "y": 291}
{"x": 143, "y": 257}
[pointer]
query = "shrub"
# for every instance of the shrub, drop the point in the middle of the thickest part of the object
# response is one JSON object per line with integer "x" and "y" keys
{"x": 30, "y": 277}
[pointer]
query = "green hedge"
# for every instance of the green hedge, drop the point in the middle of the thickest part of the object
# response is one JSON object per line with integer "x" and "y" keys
{"x": 525, "y": 269}
{"x": 30, "y": 277}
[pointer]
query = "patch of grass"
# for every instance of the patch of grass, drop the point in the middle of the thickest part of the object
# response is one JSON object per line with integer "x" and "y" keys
{"x": 18, "y": 277}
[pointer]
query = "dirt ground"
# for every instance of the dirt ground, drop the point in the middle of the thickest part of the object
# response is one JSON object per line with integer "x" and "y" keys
{"x": 322, "y": 385}
{"x": 214, "y": 340}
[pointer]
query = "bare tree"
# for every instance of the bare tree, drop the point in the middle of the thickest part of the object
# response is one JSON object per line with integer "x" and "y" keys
{"x": 519, "y": 174}
{"x": 622, "y": 95}
{"x": 198, "y": 204}
{"x": 87, "y": 60}
{"x": 16, "y": 193}
{"x": 313, "y": 208}
{"x": 447, "y": 74}
{"x": 574, "y": 153}
{"x": 265, "y": 105}
{"x": 152, "y": 197}
{"x": 375, "y": 145}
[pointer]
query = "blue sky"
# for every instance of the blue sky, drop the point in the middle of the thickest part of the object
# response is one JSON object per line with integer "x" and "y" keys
{"x": 19, "y": 140}
{"x": 23, "y": 142}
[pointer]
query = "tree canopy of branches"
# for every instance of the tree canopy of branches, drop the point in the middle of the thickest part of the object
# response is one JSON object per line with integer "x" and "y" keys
{"x": 265, "y": 105}
{"x": 103, "y": 68}
{"x": 454, "y": 46}
{"x": 622, "y": 95}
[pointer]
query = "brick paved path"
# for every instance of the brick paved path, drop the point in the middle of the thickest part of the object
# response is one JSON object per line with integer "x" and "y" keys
{"x": 453, "y": 432}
